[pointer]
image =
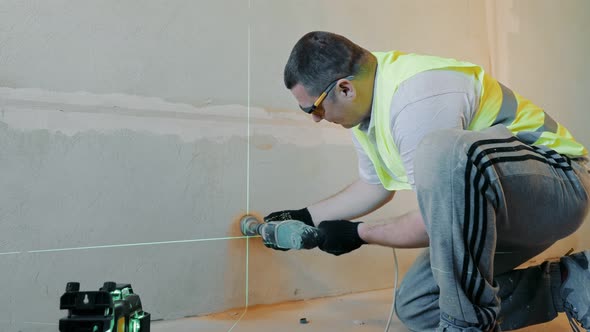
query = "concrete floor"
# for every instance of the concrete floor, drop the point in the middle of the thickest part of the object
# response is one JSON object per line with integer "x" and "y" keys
{"x": 366, "y": 312}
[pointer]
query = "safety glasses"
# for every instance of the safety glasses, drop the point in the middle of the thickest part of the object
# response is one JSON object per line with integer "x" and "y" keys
{"x": 323, "y": 96}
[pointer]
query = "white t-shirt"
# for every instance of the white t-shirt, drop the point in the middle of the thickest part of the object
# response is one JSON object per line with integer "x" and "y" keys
{"x": 428, "y": 101}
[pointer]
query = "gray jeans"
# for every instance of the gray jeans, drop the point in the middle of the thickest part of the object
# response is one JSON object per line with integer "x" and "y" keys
{"x": 490, "y": 203}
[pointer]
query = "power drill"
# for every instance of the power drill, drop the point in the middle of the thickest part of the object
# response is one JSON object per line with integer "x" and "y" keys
{"x": 113, "y": 308}
{"x": 287, "y": 234}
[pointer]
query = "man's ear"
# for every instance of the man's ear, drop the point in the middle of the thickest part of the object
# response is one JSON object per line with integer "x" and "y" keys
{"x": 346, "y": 88}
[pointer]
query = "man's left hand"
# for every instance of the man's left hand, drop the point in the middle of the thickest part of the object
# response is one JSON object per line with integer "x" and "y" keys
{"x": 340, "y": 236}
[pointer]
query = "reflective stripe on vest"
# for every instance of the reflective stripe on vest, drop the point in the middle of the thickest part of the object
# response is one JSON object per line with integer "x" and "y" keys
{"x": 498, "y": 105}
{"x": 527, "y": 121}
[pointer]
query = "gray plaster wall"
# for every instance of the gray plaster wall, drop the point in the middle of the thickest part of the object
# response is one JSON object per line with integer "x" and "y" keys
{"x": 158, "y": 124}
{"x": 205, "y": 52}
{"x": 145, "y": 191}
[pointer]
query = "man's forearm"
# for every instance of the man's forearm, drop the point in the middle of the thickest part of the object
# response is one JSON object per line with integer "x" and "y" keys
{"x": 356, "y": 200}
{"x": 406, "y": 231}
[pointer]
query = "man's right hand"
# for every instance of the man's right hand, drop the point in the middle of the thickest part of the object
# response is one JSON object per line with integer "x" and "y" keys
{"x": 301, "y": 215}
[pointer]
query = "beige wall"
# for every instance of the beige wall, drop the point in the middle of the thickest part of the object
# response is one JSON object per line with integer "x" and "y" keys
{"x": 540, "y": 49}
{"x": 196, "y": 52}
{"x": 127, "y": 122}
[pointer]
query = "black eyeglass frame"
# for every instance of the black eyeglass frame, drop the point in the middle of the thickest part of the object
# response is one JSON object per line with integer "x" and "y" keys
{"x": 323, "y": 96}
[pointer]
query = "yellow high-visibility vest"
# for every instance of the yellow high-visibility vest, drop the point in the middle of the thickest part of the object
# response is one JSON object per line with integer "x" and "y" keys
{"x": 497, "y": 105}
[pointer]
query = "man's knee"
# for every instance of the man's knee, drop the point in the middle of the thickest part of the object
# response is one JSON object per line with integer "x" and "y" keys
{"x": 418, "y": 312}
{"x": 416, "y": 301}
{"x": 403, "y": 305}
{"x": 405, "y": 308}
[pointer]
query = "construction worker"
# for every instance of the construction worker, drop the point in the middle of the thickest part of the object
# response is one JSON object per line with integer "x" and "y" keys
{"x": 497, "y": 180}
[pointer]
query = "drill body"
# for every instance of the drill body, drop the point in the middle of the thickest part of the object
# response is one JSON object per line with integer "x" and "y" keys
{"x": 287, "y": 234}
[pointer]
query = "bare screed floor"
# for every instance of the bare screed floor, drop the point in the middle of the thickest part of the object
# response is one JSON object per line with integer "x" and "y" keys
{"x": 354, "y": 312}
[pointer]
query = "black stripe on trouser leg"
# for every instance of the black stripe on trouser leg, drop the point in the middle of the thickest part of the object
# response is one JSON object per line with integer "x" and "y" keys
{"x": 474, "y": 193}
{"x": 546, "y": 154}
{"x": 549, "y": 157}
{"x": 468, "y": 184}
{"x": 505, "y": 159}
{"x": 470, "y": 238}
{"x": 480, "y": 211}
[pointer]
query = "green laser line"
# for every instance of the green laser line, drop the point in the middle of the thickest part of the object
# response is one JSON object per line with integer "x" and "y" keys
{"x": 248, "y": 159}
{"x": 248, "y": 130}
{"x": 130, "y": 245}
{"x": 247, "y": 269}
{"x": 144, "y": 244}
{"x": 247, "y": 181}
{"x": 39, "y": 323}
{"x": 247, "y": 282}
{"x": 10, "y": 253}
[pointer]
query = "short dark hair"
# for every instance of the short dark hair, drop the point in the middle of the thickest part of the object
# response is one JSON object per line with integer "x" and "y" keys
{"x": 319, "y": 58}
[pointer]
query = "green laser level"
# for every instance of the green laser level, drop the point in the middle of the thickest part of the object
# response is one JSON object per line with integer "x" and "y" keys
{"x": 113, "y": 308}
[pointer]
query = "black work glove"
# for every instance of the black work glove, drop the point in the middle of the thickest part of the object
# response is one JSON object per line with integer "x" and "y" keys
{"x": 301, "y": 215}
{"x": 340, "y": 236}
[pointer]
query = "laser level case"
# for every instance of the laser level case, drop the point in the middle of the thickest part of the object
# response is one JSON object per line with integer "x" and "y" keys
{"x": 113, "y": 308}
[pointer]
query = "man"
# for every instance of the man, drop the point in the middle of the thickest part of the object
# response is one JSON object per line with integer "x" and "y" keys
{"x": 497, "y": 181}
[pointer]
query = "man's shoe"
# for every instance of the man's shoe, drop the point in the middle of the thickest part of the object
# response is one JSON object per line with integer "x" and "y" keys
{"x": 575, "y": 290}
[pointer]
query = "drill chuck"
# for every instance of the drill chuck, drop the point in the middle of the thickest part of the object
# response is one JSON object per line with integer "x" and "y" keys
{"x": 249, "y": 225}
